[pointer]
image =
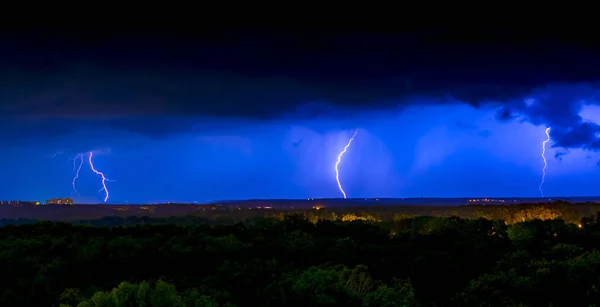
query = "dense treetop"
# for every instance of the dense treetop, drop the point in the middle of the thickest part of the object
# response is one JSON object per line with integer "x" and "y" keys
{"x": 293, "y": 261}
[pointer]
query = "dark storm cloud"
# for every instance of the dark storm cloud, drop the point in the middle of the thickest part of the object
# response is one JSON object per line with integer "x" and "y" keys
{"x": 163, "y": 86}
{"x": 505, "y": 114}
{"x": 559, "y": 155}
{"x": 558, "y": 106}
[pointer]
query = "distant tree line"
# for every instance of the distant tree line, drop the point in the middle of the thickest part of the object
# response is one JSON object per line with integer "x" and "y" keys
{"x": 571, "y": 213}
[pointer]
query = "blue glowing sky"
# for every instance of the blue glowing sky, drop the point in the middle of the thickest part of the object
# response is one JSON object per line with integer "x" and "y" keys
{"x": 210, "y": 133}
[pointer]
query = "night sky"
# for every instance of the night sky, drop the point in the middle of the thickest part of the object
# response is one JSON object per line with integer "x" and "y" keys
{"x": 237, "y": 115}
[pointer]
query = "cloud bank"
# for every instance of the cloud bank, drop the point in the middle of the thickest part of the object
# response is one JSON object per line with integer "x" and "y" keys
{"x": 158, "y": 90}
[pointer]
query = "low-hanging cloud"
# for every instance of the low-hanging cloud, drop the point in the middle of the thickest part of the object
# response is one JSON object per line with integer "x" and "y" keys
{"x": 559, "y": 106}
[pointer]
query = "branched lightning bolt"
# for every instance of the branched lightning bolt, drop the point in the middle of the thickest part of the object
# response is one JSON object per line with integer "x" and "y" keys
{"x": 104, "y": 179}
{"x": 77, "y": 169}
{"x": 545, "y": 161}
{"x": 339, "y": 159}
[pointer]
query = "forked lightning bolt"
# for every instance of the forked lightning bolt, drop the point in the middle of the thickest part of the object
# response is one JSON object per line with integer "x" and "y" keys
{"x": 77, "y": 170}
{"x": 339, "y": 159}
{"x": 545, "y": 161}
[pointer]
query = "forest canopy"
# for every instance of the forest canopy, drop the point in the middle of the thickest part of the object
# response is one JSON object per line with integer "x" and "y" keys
{"x": 293, "y": 261}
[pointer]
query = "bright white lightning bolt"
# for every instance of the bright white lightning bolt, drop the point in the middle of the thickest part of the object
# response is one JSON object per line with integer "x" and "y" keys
{"x": 77, "y": 170}
{"x": 104, "y": 179}
{"x": 545, "y": 161}
{"x": 339, "y": 159}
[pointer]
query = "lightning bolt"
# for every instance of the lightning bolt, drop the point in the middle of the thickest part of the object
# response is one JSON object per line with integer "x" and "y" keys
{"x": 76, "y": 170}
{"x": 339, "y": 159}
{"x": 104, "y": 179}
{"x": 545, "y": 161}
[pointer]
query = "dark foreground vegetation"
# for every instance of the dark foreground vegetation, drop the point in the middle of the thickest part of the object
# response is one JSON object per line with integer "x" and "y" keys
{"x": 295, "y": 261}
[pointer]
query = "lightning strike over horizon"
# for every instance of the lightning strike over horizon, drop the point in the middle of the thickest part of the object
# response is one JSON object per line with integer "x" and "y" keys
{"x": 104, "y": 179}
{"x": 545, "y": 161}
{"x": 77, "y": 169}
{"x": 339, "y": 159}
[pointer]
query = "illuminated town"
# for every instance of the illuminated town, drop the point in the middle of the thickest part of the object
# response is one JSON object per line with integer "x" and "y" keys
{"x": 59, "y": 201}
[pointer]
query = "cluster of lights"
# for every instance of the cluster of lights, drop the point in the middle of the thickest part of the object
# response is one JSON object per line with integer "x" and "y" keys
{"x": 487, "y": 200}
{"x": 19, "y": 202}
